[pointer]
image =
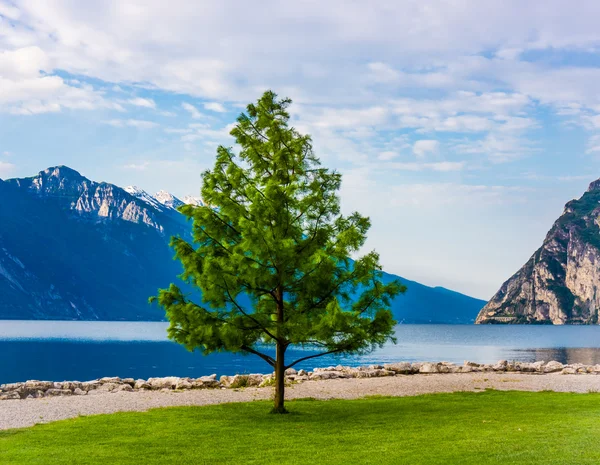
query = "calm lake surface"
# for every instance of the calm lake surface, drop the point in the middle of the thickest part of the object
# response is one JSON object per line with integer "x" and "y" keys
{"x": 70, "y": 350}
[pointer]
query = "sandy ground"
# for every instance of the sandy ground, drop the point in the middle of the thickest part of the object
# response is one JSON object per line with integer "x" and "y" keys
{"x": 28, "y": 412}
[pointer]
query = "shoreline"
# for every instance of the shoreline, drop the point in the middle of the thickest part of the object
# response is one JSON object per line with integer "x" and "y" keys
{"x": 29, "y": 412}
{"x": 70, "y": 399}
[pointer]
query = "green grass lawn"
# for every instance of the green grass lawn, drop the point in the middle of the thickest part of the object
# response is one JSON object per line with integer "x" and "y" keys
{"x": 464, "y": 428}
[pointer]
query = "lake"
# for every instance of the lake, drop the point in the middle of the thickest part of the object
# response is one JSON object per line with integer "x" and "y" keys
{"x": 74, "y": 350}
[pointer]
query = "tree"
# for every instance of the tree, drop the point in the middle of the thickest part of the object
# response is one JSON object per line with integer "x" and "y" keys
{"x": 271, "y": 230}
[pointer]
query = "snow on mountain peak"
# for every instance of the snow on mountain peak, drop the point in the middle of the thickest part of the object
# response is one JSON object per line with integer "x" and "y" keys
{"x": 168, "y": 199}
{"x": 144, "y": 197}
{"x": 190, "y": 200}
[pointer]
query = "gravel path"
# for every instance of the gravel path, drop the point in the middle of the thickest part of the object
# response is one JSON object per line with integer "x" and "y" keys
{"x": 22, "y": 413}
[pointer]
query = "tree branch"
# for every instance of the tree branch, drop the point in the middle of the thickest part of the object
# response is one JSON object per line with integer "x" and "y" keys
{"x": 313, "y": 356}
{"x": 265, "y": 357}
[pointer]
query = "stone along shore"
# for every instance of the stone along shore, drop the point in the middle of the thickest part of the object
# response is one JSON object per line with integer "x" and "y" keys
{"x": 40, "y": 389}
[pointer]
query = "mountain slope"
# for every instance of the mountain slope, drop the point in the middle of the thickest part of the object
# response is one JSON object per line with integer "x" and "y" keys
{"x": 72, "y": 248}
{"x": 560, "y": 284}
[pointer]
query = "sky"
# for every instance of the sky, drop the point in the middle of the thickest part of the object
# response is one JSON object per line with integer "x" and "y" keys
{"x": 461, "y": 128}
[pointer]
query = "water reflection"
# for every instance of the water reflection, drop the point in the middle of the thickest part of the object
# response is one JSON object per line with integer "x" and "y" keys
{"x": 586, "y": 356}
{"x": 86, "y": 350}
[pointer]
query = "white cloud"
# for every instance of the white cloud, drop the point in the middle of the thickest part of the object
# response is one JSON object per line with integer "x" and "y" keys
{"x": 381, "y": 72}
{"x": 424, "y": 147}
{"x": 24, "y": 90}
{"x": 142, "y": 166}
{"x": 192, "y": 110}
{"x": 6, "y": 168}
{"x": 593, "y": 145}
{"x": 134, "y": 123}
{"x": 444, "y": 166}
{"x": 215, "y": 106}
{"x": 142, "y": 102}
{"x": 387, "y": 155}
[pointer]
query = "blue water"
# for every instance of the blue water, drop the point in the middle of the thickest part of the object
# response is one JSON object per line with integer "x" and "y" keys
{"x": 60, "y": 350}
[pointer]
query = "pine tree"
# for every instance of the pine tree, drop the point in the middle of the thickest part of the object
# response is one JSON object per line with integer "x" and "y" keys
{"x": 271, "y": 230}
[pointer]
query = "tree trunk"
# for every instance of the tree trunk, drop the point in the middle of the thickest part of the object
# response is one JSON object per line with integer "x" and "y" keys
{"x": 279, "y": 406}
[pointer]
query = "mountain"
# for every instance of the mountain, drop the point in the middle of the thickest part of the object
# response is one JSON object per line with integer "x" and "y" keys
{"x": 560, "y": 284}
{"x": 72, "y": 248}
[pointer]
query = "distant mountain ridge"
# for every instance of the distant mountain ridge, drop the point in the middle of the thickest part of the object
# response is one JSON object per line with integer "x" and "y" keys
{"x": 72, "y": 248}
{"x": 560, "y": 284}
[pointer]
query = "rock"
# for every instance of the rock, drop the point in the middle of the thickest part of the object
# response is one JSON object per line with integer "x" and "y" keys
{"x": 290, "y": 371}
{"x": 225, "y": 380}
{"x": 129, "y": 381}
{"x": 374, "y": 373}
{"x": 184, "y": 384}
{"x": 114, "y": 380}
{"x": 207, "y": 382}
{"x": 429, "y": 368}
{"x": 123, "y": 387}
{"x": 58, "y": 392}
{"x": 90, "y": 385}
{"x": 471, "y": 364}
{"x": 553, "y": 367}
{"x": 267, "y": 381}
{"x": 538, "y": 366}
{"x": 34, "y": 385}
{"x": 501, "y": 365}
{"x": 403, "y": 368}
{"x": 141, "y": 384}
{"x": 11, "y": 386}
{"x": 255, "y": 379}
{"x": 560, "y": 283}
{"x": 10, "y": 395}
{"x": 163, "y": 383}
{"x": 319, "y": 375}
{"x": 596, "y": 369}
{"x": 302, "y": 373}
{"x": 79, "y": 392}
{"x": 569, "y": 371}
{"x": 70, "y": 385}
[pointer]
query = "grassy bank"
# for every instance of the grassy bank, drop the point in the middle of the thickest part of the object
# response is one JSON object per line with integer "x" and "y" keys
{"x": 462, "y": 428}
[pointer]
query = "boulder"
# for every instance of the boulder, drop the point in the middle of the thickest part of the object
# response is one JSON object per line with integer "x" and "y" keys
{"x": 403, "y": 368}
{"x": 10, "y": 395}
{"x": 302, "y": 373}
{"x": 108, "y": 387}
{"x": 34, "y": 385}
{"x": 90, "y": 385}
{"x": 429, "y": 368}
{"x": 11, "y": 386}
{"x": 500, "y": 365}
{"x": 70, "y": 385}
{"x": 553, "y": 367}
{"x": 569, "y": 370}
{"x": 114, "y": 380}
{"x": 123, "y": 387}
{"x": 58, "y": 392}
{"x": 79, "y": 392}
{"x": 163, "y": 383}
{"x": 320, "y": 375}
{"x": 209, "y": 381}
{"x": 184, "y": 384}
{"x": 141, "y": 384}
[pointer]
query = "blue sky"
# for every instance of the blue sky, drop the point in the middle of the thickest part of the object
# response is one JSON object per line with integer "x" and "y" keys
{"x": 461, "y": 128}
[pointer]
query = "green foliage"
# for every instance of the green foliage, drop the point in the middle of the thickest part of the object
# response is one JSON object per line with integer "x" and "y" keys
{"x": 490, "y": 427}
{"x": 271, "y": 252}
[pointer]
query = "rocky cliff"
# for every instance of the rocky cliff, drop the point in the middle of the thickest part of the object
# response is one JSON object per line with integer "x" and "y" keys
{"x": 560, "y": 284}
